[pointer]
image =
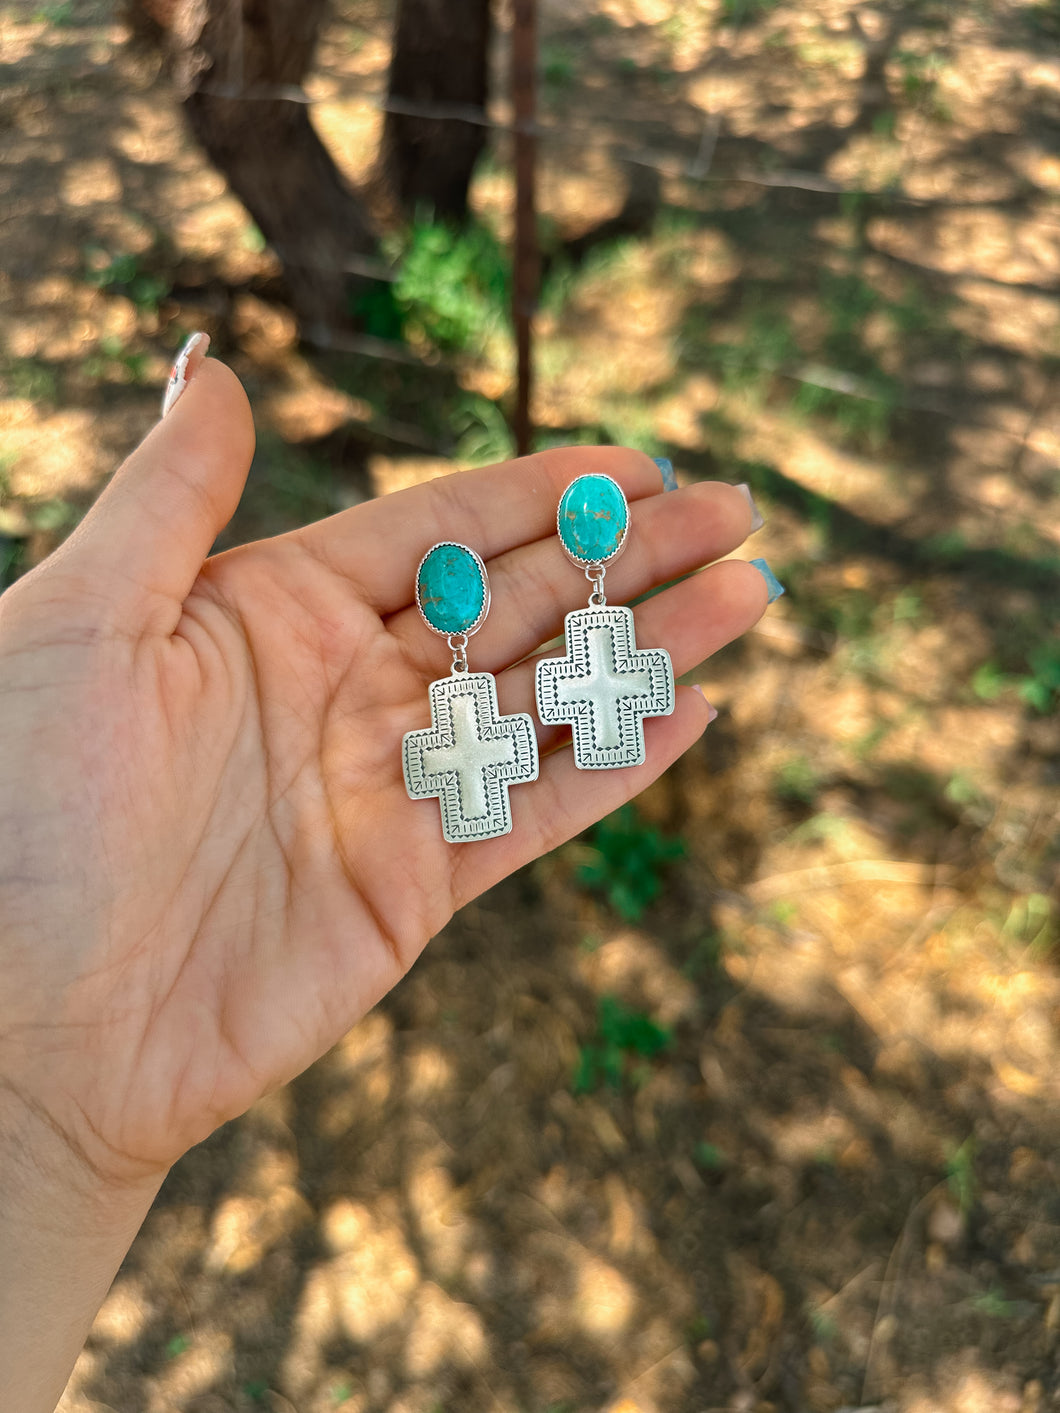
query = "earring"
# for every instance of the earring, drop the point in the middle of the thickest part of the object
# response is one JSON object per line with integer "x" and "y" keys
{"x": 605, "y": 686}
{"x": 470, "y": 755}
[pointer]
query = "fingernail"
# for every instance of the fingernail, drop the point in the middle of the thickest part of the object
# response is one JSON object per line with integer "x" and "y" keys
{"x": 184, "y": 369}
{"x": 773, "y": 584}
{"x": 669, "y": 476}
{"x": 712, "y": 711}
{"x": 757, "y": 520}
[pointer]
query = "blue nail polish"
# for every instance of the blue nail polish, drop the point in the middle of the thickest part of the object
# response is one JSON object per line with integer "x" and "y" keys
{"x": 773, "y": 584}
{"x": 669, "y": 476}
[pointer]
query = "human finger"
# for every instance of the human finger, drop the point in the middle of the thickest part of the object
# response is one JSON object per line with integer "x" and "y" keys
{"x": 565, "y": 800}
{"x": 692, "y": 621}
{"x": 534, "y": 586}
{"x": 377, "y": 546}
{"x": 145, "y": 539}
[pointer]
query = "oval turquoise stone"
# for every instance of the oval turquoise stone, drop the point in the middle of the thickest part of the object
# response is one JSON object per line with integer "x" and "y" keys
{"x": 593, "y": 516}
{"x": 451, "y": 589}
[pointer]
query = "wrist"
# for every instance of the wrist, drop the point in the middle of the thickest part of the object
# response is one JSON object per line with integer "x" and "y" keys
{"x": 50, "y": 1177}
{"x": 65, "y": 1228}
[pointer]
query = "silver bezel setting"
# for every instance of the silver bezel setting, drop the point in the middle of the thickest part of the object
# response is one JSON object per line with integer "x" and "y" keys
{"x": 467, "y": 632}
{"x": 585, "y": 563}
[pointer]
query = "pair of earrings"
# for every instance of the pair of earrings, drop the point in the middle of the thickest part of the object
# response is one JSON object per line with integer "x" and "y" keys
{"x": 603, "y": 686}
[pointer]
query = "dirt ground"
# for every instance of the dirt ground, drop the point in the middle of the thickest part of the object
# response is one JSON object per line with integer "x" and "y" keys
{"x": 814, "y": 248}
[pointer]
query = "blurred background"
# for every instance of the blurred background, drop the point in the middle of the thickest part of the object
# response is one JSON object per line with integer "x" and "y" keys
{"x": 746, "y": 1100}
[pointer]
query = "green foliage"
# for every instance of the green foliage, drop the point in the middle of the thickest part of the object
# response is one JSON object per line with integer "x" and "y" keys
{"x": 557, "y": 65}
{"x": 453, "y": 288}
{"x": 996, "y": 1306}
{"x": 699, "y": 1329}
{"x": 31, "y": 379}
{"x": 919, "y": 76}
{"x": 1043, "y": 19}
{"x": 738, "y": 12}
{"x": 1032, "y": 923}
{"x": 60, "y": 12}
{"x": 907, "y": 607}
{"x": 674, "y": 29}
{"x": 256, "y": 1390}
{"x": 177, "y": 1345}
{"x": 946, "y": 545}
{"x": 626, "y": 859}
{"x": 883, "y": 123}
{"x": 379, "y": 313}
{"x": 295, "y": 485}
{"x": 53, "y": 515}
{"x": 1038, "y": 686}
{"x": 253, "y": 240}
{"x": 823, "y": 1324}
{"x": 860, "y": 419}
{"x": 706, "y": 956}
{"x": 481, "y": 429}
{"x": 989, "y": 682}
{"x": 962, "y": 790}
{"x": 866, "y": 746}
{"x": 114, "y": 356}
{"x": 620, "y": 1034}
{"x": 125, "y": 274}
{"x": 847, "y": 614}
{"x": 782, "y": 911}
{"x": 767, "y": 345}
{"x": 822, "y": 828}
{"x": 12, "y": 554}
{"x": 960, "y": 1175}
{"x": 1040, "y": 689}
{"x": 709, "y": 1156}
{"x": 797, "y": 781}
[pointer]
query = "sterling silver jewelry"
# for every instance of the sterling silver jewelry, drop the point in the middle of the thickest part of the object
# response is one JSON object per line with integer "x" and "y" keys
{"x": 605, "y": 685}
{"x": 470, "y": 755}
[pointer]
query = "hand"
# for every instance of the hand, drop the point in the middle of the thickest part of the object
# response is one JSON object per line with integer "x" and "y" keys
{"x": 209, "y": 866}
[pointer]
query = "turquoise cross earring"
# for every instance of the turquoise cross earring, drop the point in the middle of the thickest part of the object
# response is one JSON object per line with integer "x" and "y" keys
{"x": 604, "y": 686}
{"x": 470, "y": 755}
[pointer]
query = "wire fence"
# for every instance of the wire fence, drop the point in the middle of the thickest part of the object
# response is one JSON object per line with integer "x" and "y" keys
{"x": 692, "y": 161}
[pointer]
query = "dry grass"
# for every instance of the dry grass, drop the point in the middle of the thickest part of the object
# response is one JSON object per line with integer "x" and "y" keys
{"x": 837, "y": 1186}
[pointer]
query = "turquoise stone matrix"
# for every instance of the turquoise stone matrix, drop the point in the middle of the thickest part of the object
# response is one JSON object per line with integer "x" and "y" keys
{"x": 593, "y": 519}
{"x": 451, "y": 589}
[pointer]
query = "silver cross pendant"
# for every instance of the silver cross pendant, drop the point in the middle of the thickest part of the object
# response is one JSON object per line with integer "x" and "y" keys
{"x": 604, "y": 687}
{"x": 469, "y": 757}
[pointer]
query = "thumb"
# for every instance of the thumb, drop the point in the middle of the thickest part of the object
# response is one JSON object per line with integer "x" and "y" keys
{"x": 145, "y": 539}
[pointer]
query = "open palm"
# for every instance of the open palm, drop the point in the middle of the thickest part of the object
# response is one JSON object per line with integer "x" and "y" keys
{"x": 210, "y": 866}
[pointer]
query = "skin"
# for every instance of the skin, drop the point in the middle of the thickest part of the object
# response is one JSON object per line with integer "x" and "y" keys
{"x": 209, "y": 866}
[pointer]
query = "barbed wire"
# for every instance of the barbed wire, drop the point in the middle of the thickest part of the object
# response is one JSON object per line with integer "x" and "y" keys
{"x": 695, "y": 169}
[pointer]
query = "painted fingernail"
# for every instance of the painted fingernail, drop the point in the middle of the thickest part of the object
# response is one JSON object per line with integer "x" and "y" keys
{"x": 669, "y": 476}
{"x": 773, "y": 584}
{"x": 757, "y": 519}
{"x": 712, "y": 711}
{"x": 184, "y": 369}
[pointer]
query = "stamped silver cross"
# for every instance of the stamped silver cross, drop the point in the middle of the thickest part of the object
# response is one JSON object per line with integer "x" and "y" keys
{"x": 469, "y": 757}
{"x": 605, "y": 687}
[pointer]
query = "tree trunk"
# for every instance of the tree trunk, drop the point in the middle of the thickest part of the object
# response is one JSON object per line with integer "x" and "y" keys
{"x": 440, "y": 57}
{"x": 242, "y": 63}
